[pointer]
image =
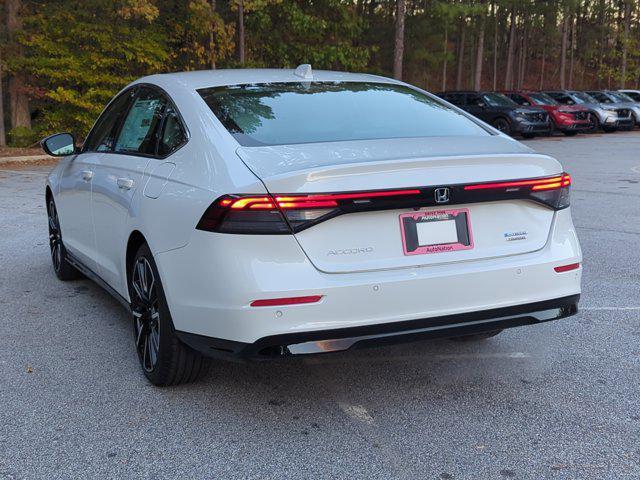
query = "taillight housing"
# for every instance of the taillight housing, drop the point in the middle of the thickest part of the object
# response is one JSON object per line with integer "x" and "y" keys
{"x": 551, "y": 191}
{"x": 280, "y": 214}
{"x": 291, "y": 213}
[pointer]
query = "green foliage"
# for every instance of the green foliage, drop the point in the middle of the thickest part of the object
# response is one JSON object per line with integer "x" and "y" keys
{"x": 23, "y": 137}
{"x": 77, "y": 58}
{"x": 324, "y": 33}
{"x": 76, "y": 54}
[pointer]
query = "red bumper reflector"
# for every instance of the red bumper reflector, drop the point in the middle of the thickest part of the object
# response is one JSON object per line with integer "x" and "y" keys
{"x": 274, "y": 302}
{"x": 566, "y": 268}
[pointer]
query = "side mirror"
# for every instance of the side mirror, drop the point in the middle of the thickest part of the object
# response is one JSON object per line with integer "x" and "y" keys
{"x": 482, "y": 104}
{"x": 59, "y": 145}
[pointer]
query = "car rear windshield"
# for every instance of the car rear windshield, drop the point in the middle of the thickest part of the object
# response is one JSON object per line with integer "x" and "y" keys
{"x": 309, "y": 112}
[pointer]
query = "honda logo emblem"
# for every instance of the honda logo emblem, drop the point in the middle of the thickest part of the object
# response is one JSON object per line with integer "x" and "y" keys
{"x": 442, "y": 195}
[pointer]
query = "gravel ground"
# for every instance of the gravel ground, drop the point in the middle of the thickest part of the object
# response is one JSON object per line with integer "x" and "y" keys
{"x": 554, "y": 401}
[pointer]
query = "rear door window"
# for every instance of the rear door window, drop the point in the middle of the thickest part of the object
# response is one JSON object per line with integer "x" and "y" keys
{"x": 141, "y": 127}
{"x": 102, "y": 135}
{"x": 173, "y": 135}
{"x": 562, "y": 98}
{"x": 519, "y": 99}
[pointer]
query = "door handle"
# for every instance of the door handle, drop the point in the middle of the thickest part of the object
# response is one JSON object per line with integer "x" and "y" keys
{"x": 124, "y": 183}
{"x": 86, "y": 175}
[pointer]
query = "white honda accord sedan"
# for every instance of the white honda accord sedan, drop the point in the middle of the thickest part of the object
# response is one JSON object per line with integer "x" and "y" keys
{"x": 254, "y": 214}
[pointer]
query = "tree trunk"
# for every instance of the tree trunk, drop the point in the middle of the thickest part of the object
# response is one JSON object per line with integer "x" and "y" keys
{"x": 563, "y": 50}
{"x": 572, "y": 52}
{"x": 479, "y": 53}
{"x": 523, "y": 57}
{"x": 3, "y": 136}
{"x": 212, "y": 43}
{"x": 241, "y": 31}
{"x": 18, "y": 100}
{"x": 398, "y": 51}
{"x": 444, "y": 62}
{"x": 625, "y": 42}
{"x": 508, "y": 81}
{"x": 495, "y": 46}
{"x": 544, "y": 53}
{"x": 461, "y": 42}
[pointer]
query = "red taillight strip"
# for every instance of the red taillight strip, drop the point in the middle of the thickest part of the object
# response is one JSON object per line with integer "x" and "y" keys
{"x": 274, "y": 302}
{"x": 567, "y": 268}
{"x": 293, "y": 202}
{"x": 536, "y": 184}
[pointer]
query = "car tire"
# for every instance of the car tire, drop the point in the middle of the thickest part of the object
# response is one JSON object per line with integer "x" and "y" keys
{"x": 502, "y": 124}
{"x": 477, "y": 336}
{"x": 61, "y": 266}
{"x": 570, "y": 133}
{"x": 164, "y": 359}
{"x": 528, "y": 135}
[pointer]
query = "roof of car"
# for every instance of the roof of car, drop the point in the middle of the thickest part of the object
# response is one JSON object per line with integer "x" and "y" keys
{"x": 215, "y": 78}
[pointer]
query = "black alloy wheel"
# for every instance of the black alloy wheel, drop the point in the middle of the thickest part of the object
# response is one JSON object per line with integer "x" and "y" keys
{"x": 164, "y": 359}
{"x": 144, "y": 307}
{"x": 502, "y": 124}
{"x": 61, "y": 266}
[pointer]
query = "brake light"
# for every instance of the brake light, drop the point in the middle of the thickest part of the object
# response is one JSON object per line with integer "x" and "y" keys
{"x": 549, "y": 183}
{"x": 552, "y": 191}
{"x": 291, "y": 213}
{"x": 288, "y": 213}
{"x": 297, "y": 202}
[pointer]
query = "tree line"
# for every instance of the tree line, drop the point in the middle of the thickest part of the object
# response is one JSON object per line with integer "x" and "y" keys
{"x": 62, "y": 60}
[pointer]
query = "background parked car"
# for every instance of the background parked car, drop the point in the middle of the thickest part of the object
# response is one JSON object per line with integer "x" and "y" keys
{"x": 501, "y": 112}
{"x": 569, "y": 119}
{"x": 633, "y": 94}
{"x": 607, "y": 118}
{"x": 611, "y": 97}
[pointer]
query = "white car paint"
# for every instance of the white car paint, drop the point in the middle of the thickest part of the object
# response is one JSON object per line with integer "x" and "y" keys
{"x": 210, "y": 278}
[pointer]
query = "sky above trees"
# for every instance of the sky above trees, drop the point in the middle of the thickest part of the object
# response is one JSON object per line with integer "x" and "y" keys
{"x": 62, "y": 61}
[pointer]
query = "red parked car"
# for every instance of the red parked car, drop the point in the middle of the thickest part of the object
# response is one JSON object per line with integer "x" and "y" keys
{"x": 569, "y": 119}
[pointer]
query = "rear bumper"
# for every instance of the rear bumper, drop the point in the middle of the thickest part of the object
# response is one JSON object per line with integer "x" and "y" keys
{"x": 211, "y": 282}
{"x": 335, "y": 340}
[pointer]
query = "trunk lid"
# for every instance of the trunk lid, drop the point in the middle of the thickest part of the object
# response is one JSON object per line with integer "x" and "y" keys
{"x": 374, "y": 240}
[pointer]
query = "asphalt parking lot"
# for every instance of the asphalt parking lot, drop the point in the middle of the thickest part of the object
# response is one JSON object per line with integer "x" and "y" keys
{"x": 557, "y": 401}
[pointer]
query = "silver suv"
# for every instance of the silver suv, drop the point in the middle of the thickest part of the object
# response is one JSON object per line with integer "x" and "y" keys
{"x": 607, "y": 117}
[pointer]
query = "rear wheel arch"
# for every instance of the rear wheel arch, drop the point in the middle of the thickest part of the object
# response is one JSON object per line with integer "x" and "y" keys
{"x": 136, "y": 240}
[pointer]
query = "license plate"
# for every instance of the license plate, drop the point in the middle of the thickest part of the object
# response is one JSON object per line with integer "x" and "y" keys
{"x": 436, "y": 231}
